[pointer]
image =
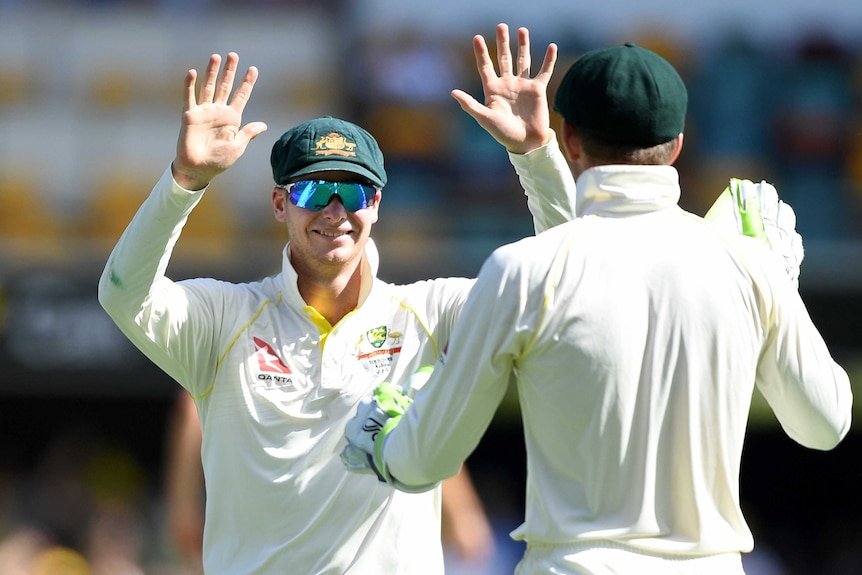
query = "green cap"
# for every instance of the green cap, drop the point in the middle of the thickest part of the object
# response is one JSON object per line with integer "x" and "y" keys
{"x": 327, "y": 144}
{"x": 626, "y": 94}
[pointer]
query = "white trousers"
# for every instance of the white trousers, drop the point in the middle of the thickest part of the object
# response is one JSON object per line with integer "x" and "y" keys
{"x": 613, "y": 559}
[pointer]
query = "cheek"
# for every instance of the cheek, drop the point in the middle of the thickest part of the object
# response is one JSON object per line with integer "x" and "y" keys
{"x": 372, "y": 219}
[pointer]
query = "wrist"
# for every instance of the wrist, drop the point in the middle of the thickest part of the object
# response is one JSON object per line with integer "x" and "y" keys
{"x": 191, "y": 180}
{"x": 380, "y": 440}
{"x": 529, "y": 146}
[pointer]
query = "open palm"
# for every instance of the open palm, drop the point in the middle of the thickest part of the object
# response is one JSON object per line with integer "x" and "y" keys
{"x": 211, "y": 135}
{"x": 515, "y": 111}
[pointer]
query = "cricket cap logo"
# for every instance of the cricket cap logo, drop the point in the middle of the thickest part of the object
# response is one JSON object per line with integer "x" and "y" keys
{"x": 334, "y": 144}
{"x": 377, "y": 336}
{"x": 326, "y": 144}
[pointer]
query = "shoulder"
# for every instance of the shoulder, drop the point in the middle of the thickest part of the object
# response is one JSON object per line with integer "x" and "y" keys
{"x": 534, "y": 251}
{"x": 427, "y": 288}
{"x": 235, "y": 292}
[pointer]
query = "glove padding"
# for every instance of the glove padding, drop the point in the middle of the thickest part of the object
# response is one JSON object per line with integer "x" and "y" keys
{"x": 366, "y": 433}
{"x": 755, "y": 210}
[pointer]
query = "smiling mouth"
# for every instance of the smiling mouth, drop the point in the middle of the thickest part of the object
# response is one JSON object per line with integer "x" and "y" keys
{"x": 334, "y": 234}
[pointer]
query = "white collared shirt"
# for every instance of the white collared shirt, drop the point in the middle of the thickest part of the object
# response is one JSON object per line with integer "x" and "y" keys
{"x": 636, "y": 335}
{"x": 275, "y": 383}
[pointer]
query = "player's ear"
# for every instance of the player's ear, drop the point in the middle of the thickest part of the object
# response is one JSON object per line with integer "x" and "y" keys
{"x": 279, "y": 203}
{"x": 677, "y": 149}
{"x": 378, "y": 197}
{"x": 570, "y": 142}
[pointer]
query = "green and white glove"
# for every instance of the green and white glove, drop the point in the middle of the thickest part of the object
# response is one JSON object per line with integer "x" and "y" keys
{"x": 755, "y": 210}
{"x": 375, "y": 418}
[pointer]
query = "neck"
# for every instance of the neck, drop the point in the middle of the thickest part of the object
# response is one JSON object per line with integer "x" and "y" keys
{"x": 335, "y": 294}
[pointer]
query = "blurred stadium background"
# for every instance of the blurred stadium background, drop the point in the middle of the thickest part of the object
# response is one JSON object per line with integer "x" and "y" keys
{"x": 89, "y": 104}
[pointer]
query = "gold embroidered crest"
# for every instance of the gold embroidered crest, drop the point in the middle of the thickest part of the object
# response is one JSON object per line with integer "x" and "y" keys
{"x": 334, "y": 144}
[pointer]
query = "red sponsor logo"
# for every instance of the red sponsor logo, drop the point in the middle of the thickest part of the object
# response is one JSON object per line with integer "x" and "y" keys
{"x": 267, "y": 358}
{"x": 390, "y": 351}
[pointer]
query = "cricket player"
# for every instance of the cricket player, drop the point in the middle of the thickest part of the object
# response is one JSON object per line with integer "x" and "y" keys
{"x": 636, "y": 335}
{"x": 278, "y": 366}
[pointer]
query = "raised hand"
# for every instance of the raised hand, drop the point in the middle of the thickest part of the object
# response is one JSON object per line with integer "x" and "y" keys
{"x": 755, "y": 210}
{"x": 211, "y": 135}
{"x": 515, "y": 111}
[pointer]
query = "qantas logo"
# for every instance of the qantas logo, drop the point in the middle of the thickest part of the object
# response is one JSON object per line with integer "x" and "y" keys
{"x": 267, "y": 358}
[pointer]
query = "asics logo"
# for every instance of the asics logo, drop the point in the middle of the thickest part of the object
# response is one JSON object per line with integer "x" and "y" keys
{"x": 372, "y": 426}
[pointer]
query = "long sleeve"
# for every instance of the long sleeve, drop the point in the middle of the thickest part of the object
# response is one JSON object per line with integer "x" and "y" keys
{"x": 548, "y": 184}
{"x": 455, "y": 407}
{"x": 150, "y": 309}
{"x": 807, "y": 390}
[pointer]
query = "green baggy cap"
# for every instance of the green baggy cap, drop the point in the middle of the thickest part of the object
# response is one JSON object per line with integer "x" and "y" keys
{"x": 327, "y": 144}
{"x": 626, "y": 95}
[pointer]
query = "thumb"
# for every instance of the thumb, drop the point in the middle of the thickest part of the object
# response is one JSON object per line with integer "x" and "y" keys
{"x": 248, "y": 133}
{"x": 251, "y": 131}
{"x": 469, "y": 104}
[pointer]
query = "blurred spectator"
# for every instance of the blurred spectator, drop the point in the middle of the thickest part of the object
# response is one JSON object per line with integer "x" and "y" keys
{"x": 184, "y": 486}
{"x": 81, "y": 512}
{"x": 813, "y": 109}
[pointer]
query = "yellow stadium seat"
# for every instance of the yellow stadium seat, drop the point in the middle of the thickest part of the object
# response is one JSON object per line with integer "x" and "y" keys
{"x": 210, "y": 232}
{"x": 29, "y": 226}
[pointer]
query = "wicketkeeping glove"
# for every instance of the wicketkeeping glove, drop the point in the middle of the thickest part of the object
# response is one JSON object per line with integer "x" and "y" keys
{"x": 755, "y": 210}
{"x": 375, "y": 418}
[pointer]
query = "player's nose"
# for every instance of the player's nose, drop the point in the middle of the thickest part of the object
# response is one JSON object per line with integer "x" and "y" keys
{"x": 334, "y": 209}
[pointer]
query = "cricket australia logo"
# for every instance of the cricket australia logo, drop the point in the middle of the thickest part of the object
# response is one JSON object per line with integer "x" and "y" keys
{"x": 334, "y": 144}
{"x": 377, "y": 336}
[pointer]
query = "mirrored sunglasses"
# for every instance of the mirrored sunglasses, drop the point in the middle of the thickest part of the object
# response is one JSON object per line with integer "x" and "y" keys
{"x": 315, "y": 194}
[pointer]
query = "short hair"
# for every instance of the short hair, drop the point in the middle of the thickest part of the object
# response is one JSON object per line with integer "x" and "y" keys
{"x": 602, "y": 152}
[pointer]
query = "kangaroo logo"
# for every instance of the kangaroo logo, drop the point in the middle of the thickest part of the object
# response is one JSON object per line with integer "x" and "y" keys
{"x": 267, "y": 359}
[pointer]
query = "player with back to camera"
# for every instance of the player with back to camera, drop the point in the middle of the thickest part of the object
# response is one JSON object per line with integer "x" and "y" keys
{"x": 636, "y": 335}
{"x": 278, "y": 366}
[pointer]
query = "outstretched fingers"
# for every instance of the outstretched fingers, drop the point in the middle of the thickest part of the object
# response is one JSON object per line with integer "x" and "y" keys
{"x": 484, "y": 65}
{"x": 209, "y": 80}
{"x": 225, "y": 83}
{"x": 243, "y": 91}
{"x": 547, "y": 69}
{"x": 504, "y": 52}
{"x": 215, "y": 89}
{"x": 524, "y": 61}
{"x": 190, "y": 99}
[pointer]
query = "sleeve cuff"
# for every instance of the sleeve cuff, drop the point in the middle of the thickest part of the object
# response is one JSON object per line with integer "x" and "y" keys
{"x": 549, "y": 150}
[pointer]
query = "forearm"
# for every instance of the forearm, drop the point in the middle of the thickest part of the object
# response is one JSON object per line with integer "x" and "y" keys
{"x": 466, "y": 527}
{"x": 141, "y": 256}
{"x": 455, "y": 407}
{"x": 548, "y": 184}
{"x": 133, "y": 289}
{"x": 808, "y": 391}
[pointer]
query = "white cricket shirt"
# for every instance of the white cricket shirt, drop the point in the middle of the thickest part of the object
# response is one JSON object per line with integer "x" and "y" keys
{"x": 275, "y": 383}
{"x": 636, "y": 335}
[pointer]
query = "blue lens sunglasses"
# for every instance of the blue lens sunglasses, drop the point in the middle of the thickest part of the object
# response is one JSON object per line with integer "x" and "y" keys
{"x": 315, "y": 194}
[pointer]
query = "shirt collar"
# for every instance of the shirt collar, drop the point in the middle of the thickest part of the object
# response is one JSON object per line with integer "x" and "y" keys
{"x": 370, "y": 265}
{"x": 626, "y": 189}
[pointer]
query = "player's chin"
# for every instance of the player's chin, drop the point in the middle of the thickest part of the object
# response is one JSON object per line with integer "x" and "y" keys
{"x": 338, "y": 249}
